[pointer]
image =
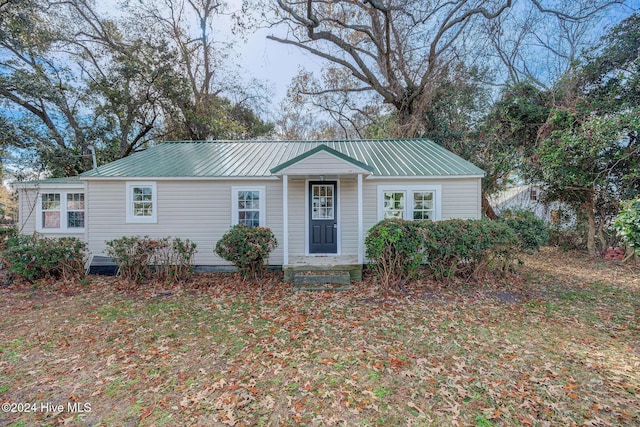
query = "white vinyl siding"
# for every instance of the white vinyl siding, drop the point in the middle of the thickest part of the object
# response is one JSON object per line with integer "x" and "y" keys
{"x": 209, "y": 213}
{"x": 197, "y": 210}
{"x": 321, "y": 163}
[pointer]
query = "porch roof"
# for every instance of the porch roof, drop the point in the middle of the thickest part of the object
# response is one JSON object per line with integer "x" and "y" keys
{"x": 229, "y": 159}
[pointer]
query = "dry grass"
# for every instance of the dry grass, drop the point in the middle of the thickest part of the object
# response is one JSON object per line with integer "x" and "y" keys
{"x": 556, "y": 345}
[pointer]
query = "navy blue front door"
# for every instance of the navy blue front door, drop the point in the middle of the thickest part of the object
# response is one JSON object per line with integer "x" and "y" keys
{"x": 323, "y": 223}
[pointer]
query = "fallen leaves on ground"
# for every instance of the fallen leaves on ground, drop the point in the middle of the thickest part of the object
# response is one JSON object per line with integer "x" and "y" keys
{"x": 556, "y": 344}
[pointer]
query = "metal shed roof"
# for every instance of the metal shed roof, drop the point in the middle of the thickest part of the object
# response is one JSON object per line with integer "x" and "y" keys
{"x": 388, "y": 157}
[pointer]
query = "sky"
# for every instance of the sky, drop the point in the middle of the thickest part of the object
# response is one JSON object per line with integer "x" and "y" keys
{"x": 275, "y": 65}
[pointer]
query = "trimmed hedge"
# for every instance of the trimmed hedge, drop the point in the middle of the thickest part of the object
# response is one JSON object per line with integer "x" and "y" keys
{"x": 247, "y": 248}
{"x": 466, "y": 248}
{"x": 36, "y": 257}
{"x": 395, "y": 247}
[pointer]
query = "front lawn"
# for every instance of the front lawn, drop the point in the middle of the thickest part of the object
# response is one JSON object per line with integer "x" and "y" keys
{"x": 558, "y": 345}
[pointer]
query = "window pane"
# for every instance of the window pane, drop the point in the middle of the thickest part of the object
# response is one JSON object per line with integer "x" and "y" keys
{"x": 142, "y": 199}
{"x": 75, "y": 201}
{"x": 143, "y": 209}
{"x": 75, "y": 219}
{"x": 51, "y": 219}
{"x": 51, "y": 201}
{"x": 423, "y": 205}
{"x": 249, "y": 208}
{"x": 141, "y": 194}
{"x": 393, "y": 204}
{"x": 322, "y": 201}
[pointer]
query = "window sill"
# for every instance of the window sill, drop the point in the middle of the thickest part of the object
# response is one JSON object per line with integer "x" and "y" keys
{"x": 60, "y": 230}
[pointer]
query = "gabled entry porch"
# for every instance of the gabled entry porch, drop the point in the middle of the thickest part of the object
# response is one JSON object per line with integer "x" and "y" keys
{"x": 322, "y": 213}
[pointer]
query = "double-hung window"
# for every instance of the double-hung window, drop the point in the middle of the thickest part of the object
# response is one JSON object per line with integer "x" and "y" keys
{"x": 142, "y": 202}
{"x": 61, "y": 211}
{"x": 248, "y": 206}
{"x": 394, "y": 204}
{"x": 409, "y": 202}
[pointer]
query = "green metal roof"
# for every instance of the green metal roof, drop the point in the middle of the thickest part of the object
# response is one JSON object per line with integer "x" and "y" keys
{"x": 57, "y": 181}
{"x": 388, "y": 157}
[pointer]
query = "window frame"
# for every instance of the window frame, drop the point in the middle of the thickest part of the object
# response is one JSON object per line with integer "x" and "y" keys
{"x": 409, "y": 191}
{"x": 262, "y": 198}
{"x": 136, "y": 219}
{"x": 64, "y": 211}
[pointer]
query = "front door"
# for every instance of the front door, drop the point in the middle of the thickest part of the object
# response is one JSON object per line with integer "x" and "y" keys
{"x": 323, "y": 224}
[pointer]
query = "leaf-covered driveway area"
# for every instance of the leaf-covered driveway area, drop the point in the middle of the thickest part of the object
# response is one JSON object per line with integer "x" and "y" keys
{"x": 557, "y": 345}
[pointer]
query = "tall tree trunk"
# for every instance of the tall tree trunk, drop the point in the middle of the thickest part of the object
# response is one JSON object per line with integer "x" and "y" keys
{"x": 487, "y": 209}
{"x": 601, "y": 237}
{"x": 591, "y": 229}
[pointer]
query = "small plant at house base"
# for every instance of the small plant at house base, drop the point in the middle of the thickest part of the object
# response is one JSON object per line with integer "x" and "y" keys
{"x": 247, "y": 248}
{"x": 36, "y": 257}
{"x": 131, "y": 255}
{"x": 172, "y": 259}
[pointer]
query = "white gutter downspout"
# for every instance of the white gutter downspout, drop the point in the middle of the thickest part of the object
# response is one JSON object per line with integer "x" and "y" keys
{"x": 285, "y": 219}
{"x": 360, "y": 223}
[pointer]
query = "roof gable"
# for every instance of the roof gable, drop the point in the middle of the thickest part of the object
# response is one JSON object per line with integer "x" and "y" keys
{"x": 316, "y": 160}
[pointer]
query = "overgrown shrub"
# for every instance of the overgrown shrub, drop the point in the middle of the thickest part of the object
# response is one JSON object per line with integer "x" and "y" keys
{"x": 467, "y": 248}
{"x": 139, "y": 258}
{"x": 36, "y": 257}
{"x": 247, "y": 248}
{"x": 627, "y": 224}
{"x": 395, "y": 247}
{"x": 567, "y": 239}
{"x": 132, "y": 255}
{"x": 5, "y": 234}
{"x": 173, "y": 259}
{"x": 532, "y": 231}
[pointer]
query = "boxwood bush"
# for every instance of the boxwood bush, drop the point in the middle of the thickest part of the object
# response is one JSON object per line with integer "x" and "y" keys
{"x": 36, "y": 257}
{"x": 247, "y": 248}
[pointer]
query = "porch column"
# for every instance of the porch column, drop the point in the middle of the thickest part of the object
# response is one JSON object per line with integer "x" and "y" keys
{"x": 360, "y": 223}
{"x": 285, "y": 219}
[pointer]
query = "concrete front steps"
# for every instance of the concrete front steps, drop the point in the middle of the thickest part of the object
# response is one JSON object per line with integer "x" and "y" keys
{"x": 322, "y": 278}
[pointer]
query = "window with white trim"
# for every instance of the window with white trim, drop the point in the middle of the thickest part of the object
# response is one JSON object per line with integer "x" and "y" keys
{"x": 61, "y": 211}
{"x": 394, "y": 204}
{"x": 248, "y": 206}
{"x": 423, "y": 207}
{"x": 141, "y": 202}
{"x": 409, "y": 202}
